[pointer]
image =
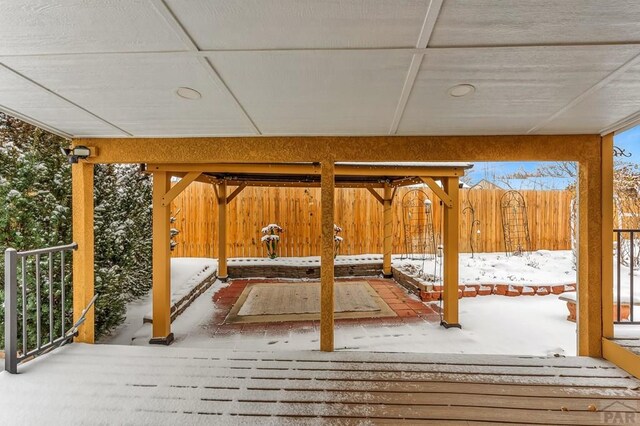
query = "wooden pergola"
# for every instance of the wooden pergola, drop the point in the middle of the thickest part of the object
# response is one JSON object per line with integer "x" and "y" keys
{"x": 373, "y": 176}
{"x": 188, "y": 156}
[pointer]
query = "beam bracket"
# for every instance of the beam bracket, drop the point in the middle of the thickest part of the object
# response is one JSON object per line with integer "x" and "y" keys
{"x": 179, "y": 187}
{"x": 376, "y": 195}
{"x": 446, "y": 199}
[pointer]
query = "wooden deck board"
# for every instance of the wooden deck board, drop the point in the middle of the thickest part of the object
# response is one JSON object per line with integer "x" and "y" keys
{"x": 631, "y": 344}
{"x": 82, "y": 384}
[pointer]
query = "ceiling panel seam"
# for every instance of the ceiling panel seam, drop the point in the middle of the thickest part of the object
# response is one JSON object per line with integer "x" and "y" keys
{"x": 59, "y": 96}
{"x": 33, "y": 121}
{"x": 626, "y": 123}
{"x": 591, "y": 90}
{"x": 414, "y": 50}
{"x": 174, "y": 23}
{"x": 428, "y": 25}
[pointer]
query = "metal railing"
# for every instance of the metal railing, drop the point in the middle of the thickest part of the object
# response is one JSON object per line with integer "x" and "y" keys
{"x": 42, "y": 288}
{"x": 627, "y": 255}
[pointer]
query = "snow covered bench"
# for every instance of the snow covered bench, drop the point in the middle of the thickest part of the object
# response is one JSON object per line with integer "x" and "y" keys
{"x": 571, "y": 298}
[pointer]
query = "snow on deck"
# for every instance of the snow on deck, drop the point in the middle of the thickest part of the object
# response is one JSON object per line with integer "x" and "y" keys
{"x": 97, "y": 384}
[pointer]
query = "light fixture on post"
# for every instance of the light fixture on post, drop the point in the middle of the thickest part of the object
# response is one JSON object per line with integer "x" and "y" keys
{"x": 76, "y": 153}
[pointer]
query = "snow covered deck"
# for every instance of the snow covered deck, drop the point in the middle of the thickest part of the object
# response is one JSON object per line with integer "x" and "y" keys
{"x": 97, "y": 384}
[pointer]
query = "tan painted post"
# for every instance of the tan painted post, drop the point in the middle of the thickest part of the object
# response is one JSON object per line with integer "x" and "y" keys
{"x": 161, "y": 290}
{"x": 450, "y": 242}
{"x": 607, "y": 236}
{"x": 387, "y": 246}
{"x": 326, "y": 258}
{"x": 590, "y": 244}
{"x": 83, "y": 257}
{"x": 222, "y": 231}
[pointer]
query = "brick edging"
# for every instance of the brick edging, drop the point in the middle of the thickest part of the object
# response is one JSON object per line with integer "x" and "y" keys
{"x": 473, "y": 290}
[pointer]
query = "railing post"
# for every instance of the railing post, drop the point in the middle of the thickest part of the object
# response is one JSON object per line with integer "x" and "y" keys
{"x": 10, "y": 312}
{"x": 631, "y": 262}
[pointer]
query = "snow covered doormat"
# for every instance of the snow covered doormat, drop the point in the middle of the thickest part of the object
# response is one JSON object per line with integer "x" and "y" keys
{"x": 299, "y": 301}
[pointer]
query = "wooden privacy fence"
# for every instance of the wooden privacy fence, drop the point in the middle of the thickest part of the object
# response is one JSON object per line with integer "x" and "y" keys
{"x": 297, "y": 210}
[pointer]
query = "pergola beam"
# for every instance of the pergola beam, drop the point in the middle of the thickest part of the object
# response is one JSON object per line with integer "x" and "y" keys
{"x": 309, "y": 169}
{"x": 290, "y": 184}
{"x": 290, "y": 149}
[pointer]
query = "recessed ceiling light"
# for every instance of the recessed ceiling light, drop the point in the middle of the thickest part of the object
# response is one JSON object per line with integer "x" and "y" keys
{"x": 188, "y": 93}
{"x": 461, "y": 90}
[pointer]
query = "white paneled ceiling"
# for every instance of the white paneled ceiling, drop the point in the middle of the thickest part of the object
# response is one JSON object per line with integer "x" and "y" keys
{"x": 619, "y": 98}
{"x": 80, "y": 26}
{"x": 301, "y": 67}
{"x": 138, "y": 92}
{"x": 301, "y": 24}
{"x": 516, "y": 88}
{"x": 536, "y": 22}
{"x": 321, "y": 92}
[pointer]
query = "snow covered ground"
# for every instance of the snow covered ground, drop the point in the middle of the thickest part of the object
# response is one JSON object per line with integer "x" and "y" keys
{"x": 542, "y": 267}
{"x": 491, "y": 325}
{"x": 531, "y": 325}
{"x": 186, "y": 272}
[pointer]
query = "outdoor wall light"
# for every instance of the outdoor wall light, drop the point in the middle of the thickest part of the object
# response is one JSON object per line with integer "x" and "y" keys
{"x": 188, "y": 93}
{"x": 76, "y": 153}
{"x": 461, "y": 90}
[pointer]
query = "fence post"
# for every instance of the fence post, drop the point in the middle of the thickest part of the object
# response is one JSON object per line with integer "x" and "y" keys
{"x": 10, "y": 312}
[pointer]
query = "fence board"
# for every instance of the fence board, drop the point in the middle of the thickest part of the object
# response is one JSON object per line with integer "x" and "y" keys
{"x": 297, "y": 210}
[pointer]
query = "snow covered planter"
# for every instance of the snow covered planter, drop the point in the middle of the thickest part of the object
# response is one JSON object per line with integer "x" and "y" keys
{"x": 271, "y": 238}
{"x": 337, "y": 240}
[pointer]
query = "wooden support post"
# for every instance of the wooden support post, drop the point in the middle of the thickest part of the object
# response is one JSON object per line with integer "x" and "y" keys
{"x": 161, "y": 290}
{"x": 387, "y": 245}
{"x": 83, "y": 266}
{"x": 607, "y": 236}
{"x": 326, "y": 258}
{"x": 222, "y": 231}
{"x": 450, "y": 242}
{"x": 590, "y": 244}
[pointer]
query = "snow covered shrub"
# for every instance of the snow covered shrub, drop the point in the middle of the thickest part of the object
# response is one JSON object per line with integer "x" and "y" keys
{"x": 337, "y": 240}
{"x": 122, "y": 241}
{"x": 35, "y": 190}
{"x": 271, "y": 239}
{"x": 533, "y": 264}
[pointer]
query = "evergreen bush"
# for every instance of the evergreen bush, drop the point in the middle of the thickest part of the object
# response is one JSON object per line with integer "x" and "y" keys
{"x": 35, "y": 191}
